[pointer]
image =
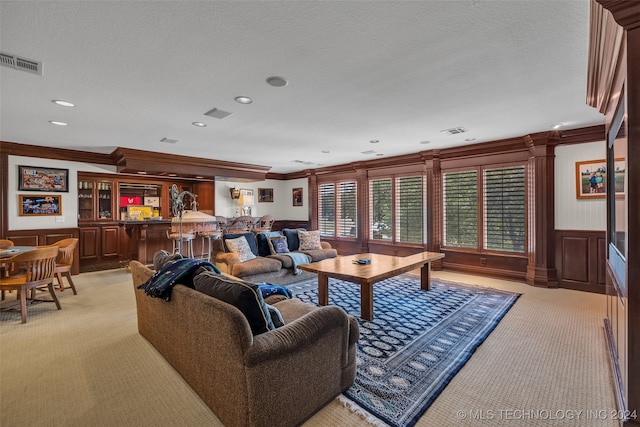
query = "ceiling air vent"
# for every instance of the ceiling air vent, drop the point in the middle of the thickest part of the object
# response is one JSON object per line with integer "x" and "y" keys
{"x": 20, "y": 63}
{"x": 368, "y": 152}
{"x": 454, "y": 131}
{"x": 169, "y": 140}
{"x": 218, "y": 114}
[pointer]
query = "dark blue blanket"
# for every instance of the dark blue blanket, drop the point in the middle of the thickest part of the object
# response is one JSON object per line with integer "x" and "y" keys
{"x": 267, "y": 289}
{"x": 180, "y": 271}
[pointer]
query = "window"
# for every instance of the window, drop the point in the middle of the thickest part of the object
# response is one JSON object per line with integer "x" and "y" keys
{"x": 337, "y": 207}
{"x": 397, "y": 209}
{"x": 380, "y": 210}
{"x": 461, "y": 209}
{"x": 503, "y": 209}
{"x": 327, "y": 209}
{"x": 409, "y": 210}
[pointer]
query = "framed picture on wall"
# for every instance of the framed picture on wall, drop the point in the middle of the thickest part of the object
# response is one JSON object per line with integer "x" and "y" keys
{"x": 297, "y": 196}
{"x": 34, "y": 178}
{"x": 39, "y": 204}
{"x": 265, "y": 195}
{"x": 592, "y": 177}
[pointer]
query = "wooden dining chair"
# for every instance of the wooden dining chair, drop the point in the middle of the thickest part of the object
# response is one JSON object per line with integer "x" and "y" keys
{"x": 264, "y": 223}
{"x": 37, "y": 270}
{"x": 4, "y": 243}
{"x": 221, "y": 223}
{"x": 64, "y": 261}
{"x": 242, "y": 224}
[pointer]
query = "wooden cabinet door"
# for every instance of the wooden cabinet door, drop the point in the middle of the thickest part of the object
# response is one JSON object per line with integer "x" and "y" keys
{"x": 110, "y": 241}
{"x": 89, "y": 240}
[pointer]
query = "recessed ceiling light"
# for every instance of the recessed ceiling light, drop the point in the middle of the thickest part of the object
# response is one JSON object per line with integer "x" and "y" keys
{"x": 57, "y": 123}
{"x": 276, "y": 81}
{"x": 169, "y": 140}
{"x": 243, "y": 99}
{"x": 326, "y": 151}
{"x": 374, "y": 141}
{"x": 199, "y": 124}
{"x": 470, "y": 139}
{"x": 63, "y": 103}
{"x": 379, "y": 154}
{"x": 425, "y": 142}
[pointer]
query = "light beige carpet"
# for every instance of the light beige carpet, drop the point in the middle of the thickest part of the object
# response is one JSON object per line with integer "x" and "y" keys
{"x": 85, "y": 365}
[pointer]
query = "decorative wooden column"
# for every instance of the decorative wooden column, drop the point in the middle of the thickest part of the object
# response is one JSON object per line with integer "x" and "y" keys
{"x": 433, "y": 175}
{"x": 541, "y": 269}
{"x": 312, "y": 184}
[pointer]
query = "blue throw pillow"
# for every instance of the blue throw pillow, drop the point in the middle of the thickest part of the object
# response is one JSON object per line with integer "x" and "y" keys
{"x": 263, "y": 241}
{"x": 292, "y": 238}
{"x": 245, "y": 296}
{"x": 251, "y": 239}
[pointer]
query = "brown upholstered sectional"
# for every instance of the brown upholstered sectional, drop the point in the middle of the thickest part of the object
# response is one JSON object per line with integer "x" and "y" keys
{"x": 265, "y": 267}
{"x": 277, "y": 378}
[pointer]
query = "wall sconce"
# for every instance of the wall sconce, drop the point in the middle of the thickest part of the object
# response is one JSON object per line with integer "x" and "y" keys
{"x": 235, "y": 193}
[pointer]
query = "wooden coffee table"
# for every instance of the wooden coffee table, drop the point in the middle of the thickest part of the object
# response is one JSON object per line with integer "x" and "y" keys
{"x": 381, "y": 267}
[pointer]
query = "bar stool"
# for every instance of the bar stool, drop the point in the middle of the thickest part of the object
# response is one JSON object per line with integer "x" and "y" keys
{"x": 179, "y": 241}
{"x": 208, "y": 236}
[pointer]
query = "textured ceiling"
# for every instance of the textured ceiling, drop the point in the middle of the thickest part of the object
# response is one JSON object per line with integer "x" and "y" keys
{"x": 395, "y": 71}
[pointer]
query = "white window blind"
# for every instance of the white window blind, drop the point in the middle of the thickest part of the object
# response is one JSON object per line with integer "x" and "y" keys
{"x": 504, "y": 209}
{"x": 326, "y": 209}
{"x": 409, "y": 209}
{"x": 337, "y": 209}
{"x": 346, "y": 206}
{"x": 460, "y": 202}
{"x": 396, "y": 209}
{"x": 380, "y": 209}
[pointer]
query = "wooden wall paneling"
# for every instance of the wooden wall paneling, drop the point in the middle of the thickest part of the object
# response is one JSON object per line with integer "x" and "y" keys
{"x": 602, "y": 260}
{"x": 511, "y": 267}
{"x": 279, "y": 225}
{"x": 614, "y": 65}
{"x": 4, "y": 183}
{"x": 575, "y": 256}
{"x": 633, "y": 225}
{"x": 205, "y": 191}
{"x": 581, "y": 260}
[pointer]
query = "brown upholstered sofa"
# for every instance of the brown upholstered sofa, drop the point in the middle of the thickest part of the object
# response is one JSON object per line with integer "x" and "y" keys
{"x": 266, "y": 267}
{"x": 277, "y": 378}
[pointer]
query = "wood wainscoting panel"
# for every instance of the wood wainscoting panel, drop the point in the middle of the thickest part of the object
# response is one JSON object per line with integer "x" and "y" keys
{"x": 575, "y": 250}
{"x": 581, "y": 260}
{"x": 43, "y": 237}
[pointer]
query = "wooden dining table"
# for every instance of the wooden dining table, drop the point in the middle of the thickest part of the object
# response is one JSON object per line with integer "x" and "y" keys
{"x": 10, "y": 251}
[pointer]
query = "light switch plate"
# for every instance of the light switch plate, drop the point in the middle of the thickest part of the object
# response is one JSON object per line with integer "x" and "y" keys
{"x": 59, "y": 219}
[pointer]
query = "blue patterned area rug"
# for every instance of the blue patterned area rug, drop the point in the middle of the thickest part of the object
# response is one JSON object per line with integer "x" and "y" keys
{"x": 416, "y": 343}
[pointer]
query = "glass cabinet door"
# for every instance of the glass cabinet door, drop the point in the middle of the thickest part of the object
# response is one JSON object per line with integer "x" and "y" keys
{"x": 85, "y": 200}
{"x": 105, "y": 200}
{"x": 95, "y": 199}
